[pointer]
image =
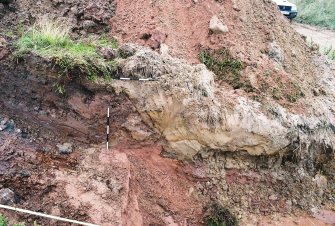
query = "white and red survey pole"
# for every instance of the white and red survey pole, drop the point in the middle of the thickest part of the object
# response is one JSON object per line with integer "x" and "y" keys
{"x": 107, "y": 138}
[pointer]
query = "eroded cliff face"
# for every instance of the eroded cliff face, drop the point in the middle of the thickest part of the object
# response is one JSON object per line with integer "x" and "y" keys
{"x": 240, "y": 146}
{"x": 194, "y": 114}
{"x": 256, "y": 152}
{"x": 188, "y": 105}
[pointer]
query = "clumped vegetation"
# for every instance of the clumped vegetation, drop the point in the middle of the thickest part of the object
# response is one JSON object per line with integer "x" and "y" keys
{"x": 329, "y": 52}
{"x": 4, "y": 222}
{"x": 225, "y": 67}
{"x": 228, "y": 69}
{"x": 220, "y": 216}
{"x": 52, "y": 40}
{"x": 320, "y": 13}
{"x": 279, "y": 87}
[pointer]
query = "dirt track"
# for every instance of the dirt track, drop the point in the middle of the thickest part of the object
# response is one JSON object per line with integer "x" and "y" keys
{"x": 323, "y": 37}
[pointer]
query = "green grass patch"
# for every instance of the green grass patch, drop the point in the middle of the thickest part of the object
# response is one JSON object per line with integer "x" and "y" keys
{"x": 329, "y": 52}
{"x": 279, "y": 88}
{"x": 225, "y": 67}
{"x": 272, "y": 84}
{"x": 4, "y": 222}
{"x": 51, "y": 40}
{"x": 320, "y": 13}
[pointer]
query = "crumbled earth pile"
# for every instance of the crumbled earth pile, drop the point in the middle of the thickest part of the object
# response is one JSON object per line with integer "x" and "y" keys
{"x": 251, "y": 129}
{"x": 277, "y": 61}
{"x": 83, "y": 16}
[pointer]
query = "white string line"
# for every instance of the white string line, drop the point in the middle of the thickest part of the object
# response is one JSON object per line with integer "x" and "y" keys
{"x": 139, "y": 79}
{"x": 46, "y": 215}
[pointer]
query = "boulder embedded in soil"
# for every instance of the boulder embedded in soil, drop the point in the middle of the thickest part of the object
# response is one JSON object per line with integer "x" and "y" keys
{"x": 65, "y": 148}
{"x": 3, "y": 48}
{"x": 89, "y": 25}
{"x": 107, "y": 53}
{"x": 7, "y": 125}
{"x": 6, "y": 196}
{"x": 217, "y": 26}
{"x": 321, "y": 182}
{"x": 276, "y": 53}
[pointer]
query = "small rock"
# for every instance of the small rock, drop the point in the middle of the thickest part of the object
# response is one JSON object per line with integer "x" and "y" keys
{"x": 6, "y": 196}
{"x": 24, "y": 134}
{"x": 7, "y": 125}
{"x": 316, "y": 92}
{"x": 45, "y": 149}
{"x": 127, "y": 50}
{"x": 42, "y": 112}
{"x": 276, "y": 53}
{"x": 3, "y": 124}
{"x": 57, "y": 2}
{"x": 153, "y": 39}
{"x": 25, "y": 173}
{"x": 315, "y": 47}
{"x": 3, "y": 42}
{"x": 107, "y": 53}
{"x": 231, "y": 164}
{"x": 217, "y": 26}
{"x": 3, "y": 48}
{"x": 65, "y": 148}
{"x": 89, "y": 24}
{"x": 321, "y": 182}
{"x": 74, "y": 10}
{"x": 235, "y": 6}
{"x": 273, "y": 197}
{"x": 289, "y": 205}
{"x": 164, "y": 49}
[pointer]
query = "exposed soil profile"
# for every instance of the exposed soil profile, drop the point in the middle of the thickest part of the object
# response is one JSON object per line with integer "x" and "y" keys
{"x": 246, "y": 136}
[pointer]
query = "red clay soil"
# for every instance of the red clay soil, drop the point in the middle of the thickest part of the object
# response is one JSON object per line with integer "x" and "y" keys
{"x": 164, "y": 196}
{"x": 184, "y": 27}
{"x": 127, "y": 185}
{"x": 252, "y": 26}
{"x": 184, "y": 23}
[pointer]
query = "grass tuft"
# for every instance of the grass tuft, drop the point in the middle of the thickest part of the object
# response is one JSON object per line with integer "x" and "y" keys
{"x": 4, "y": 222}
{"x": 329, "y": 52}
{"x": 225, "y": 67}
{"x": 51, "y": 40}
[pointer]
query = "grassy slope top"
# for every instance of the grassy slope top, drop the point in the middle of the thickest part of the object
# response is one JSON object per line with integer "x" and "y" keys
{"x": 316, "y": 12}
{"x": 51, "y": 39}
